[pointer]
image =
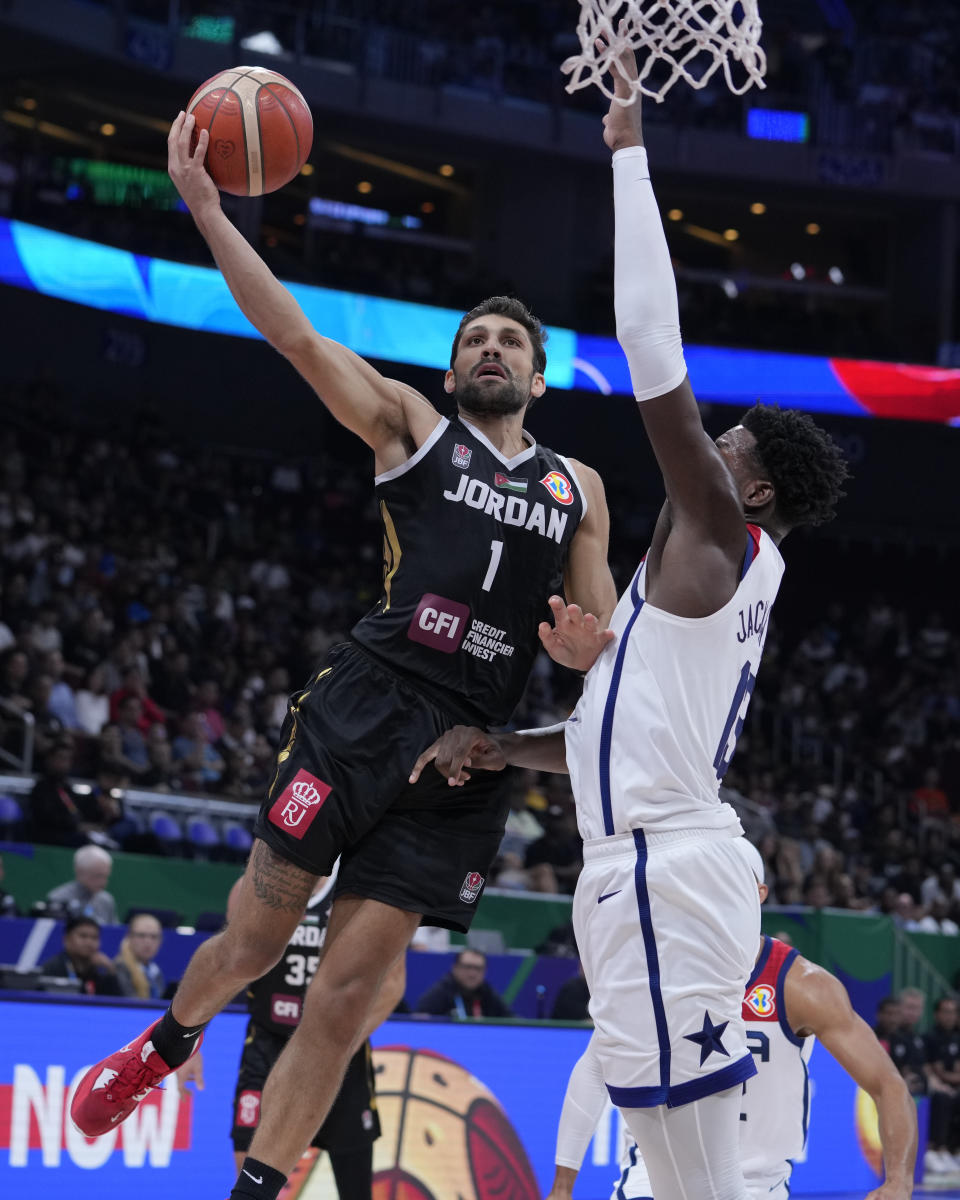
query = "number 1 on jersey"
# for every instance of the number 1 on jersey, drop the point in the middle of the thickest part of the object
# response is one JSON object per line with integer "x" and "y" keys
{"x": 496, "y": 549}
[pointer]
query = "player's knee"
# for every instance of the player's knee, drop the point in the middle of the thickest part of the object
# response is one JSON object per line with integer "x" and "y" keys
{"x": 249, "y": 956}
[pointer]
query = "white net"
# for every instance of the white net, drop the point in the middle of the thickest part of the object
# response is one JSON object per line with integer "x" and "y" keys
{"x": 683, "y": 39}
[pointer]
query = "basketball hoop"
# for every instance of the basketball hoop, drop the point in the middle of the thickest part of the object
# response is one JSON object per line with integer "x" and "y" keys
{"x": 683, "y": 39}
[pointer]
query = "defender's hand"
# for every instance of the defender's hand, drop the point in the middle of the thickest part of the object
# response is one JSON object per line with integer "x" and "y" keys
{"x": 622, "y": 125}
{"x": 460, "y": 747}
{"x": 575, "y": 639}
{"x": 186, "y": 167}
{"x": 191, "y": 1071}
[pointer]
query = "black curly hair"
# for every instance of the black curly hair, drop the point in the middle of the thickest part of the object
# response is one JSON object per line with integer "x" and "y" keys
{"x": 516, "y": 310}
{"x": 805, "y": 464}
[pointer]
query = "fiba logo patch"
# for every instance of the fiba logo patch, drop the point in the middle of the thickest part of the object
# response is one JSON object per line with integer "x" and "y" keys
{"x": 248, "y": 1109}
{"x": 762, "y": 1000}
{"x": 461, "y": 456}
{"x": 471, "y": 887}
{"x": 298, "y": 803}
{"x": 559, "y": 487}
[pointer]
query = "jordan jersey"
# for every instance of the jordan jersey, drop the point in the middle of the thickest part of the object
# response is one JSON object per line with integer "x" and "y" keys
{"x": 275, "y": 1000}
{"x": 776, "y": 1101}
{"x": 663, "y": 705}
{"x": 474, "y": 544}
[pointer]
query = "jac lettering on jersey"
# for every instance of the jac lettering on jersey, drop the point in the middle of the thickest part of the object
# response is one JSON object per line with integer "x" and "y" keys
{"x": 474, "y": 545}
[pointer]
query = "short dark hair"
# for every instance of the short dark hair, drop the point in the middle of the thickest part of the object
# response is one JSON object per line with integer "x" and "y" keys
{"x": 470, "y": 950}
{"x": 805, "y": 464}
{"x": 888, "y": 1002}
{"x": 947, "y": 999}
{"x": 75, "y": 923}
{"x": 515, "y": 310}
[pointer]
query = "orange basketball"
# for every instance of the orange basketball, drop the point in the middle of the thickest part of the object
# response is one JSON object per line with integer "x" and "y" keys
{"x": 260, "y": 128}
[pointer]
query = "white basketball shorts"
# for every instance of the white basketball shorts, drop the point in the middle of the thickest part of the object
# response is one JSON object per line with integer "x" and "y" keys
{"x": 668, "y": 927}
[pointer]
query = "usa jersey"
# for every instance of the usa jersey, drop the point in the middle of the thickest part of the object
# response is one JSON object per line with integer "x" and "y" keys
{"x": 275, "y": 1000}
{"x": 776, "y": 1102}
{"x": 662, "y": 707}
{"x": 473, "y": 545}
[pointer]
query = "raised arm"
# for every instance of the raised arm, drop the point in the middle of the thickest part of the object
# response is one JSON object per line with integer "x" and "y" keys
{"x": 390, "y": 417}
{"x": 706, "y": 513}
{"x": 587, "y": 579}
{"x": 817, "y": 1003}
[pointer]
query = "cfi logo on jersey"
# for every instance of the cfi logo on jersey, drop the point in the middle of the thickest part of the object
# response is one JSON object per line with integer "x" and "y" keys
{"x": 762, "y": 1000}
{"x": 559, "y": 487}
{"x": 461, "y": 456}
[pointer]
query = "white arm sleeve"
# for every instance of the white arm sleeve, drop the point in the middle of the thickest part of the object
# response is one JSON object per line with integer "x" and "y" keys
{"x": 645, "y": 291}
{"x": 583, "y": 1107}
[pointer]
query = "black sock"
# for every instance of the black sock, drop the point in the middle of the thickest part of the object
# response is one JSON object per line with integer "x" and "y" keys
{"x": 175, "y": 1042}
{"x": 353, "y": 1171}
{"x": 257, "y": 1181}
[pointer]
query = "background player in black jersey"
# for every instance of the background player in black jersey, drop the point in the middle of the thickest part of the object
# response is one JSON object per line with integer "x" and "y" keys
{"x": 480, "y": 526}
{"x": 275, "y": 1002}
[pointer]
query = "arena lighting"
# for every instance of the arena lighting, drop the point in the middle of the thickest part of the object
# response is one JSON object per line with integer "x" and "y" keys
{"x": 812, "y": 228}
{"x": 758, "y": 208}
{"x": 675, "y": 214}
{"x": 397, "y": 331}
{"x": 446, "y": 170}
{"x": 777, "y": 125}
{"x": 307, "y": 169}
{"x": 731, "y": 235}
{"x": 730, "y": 289}
{"x": 108, "y": 129}
{"x": 835, "y": 275}
{"x": 798, "y": 271}
{"x": 360, "y": 214}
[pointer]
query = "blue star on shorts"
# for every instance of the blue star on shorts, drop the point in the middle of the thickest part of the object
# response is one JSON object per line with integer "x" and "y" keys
{"x": 709, "y": 1039}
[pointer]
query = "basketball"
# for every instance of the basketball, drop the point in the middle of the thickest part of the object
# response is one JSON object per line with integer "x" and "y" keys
{"x": 444, "y": 1133}
{"x": 260, "y": 129}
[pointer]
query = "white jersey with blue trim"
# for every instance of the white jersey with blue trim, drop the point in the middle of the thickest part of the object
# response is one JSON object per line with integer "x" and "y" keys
{"x": 662, "y": 707}
{"x": 775, "y": 1110}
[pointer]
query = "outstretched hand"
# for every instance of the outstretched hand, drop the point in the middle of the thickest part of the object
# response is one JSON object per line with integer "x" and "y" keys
{"x": 460, "y": 747}
{"x": 622, "y": 125}
{"x": 191, "y": 1071}
{"x": 575, "y": 638}
{"x": 185, "y": 165}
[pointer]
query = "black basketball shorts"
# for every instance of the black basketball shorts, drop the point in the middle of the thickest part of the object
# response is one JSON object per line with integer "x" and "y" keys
{"x": 341, "y": 789}
{"x": 353, "y": 1121}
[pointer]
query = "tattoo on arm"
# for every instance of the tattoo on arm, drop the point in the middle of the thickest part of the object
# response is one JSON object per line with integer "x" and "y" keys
{"x": 277, "y": 883}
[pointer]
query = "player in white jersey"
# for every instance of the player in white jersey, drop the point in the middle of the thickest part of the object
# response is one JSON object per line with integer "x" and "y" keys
{"x": 666, "y": 912}
{"x": 787, "y": 1003}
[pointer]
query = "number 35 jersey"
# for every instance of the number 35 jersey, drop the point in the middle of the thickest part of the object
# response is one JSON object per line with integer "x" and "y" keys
{"x": 275, "y": 1000}
{"x": 663, "y": 705}
{"x": 473, "y": 545}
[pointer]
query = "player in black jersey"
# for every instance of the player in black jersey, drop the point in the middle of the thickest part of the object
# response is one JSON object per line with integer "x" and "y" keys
{"x": 480, "y": 526}
{"x": 275, "y": 1002}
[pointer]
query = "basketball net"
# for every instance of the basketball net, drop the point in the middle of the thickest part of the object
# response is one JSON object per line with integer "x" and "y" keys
{"x": 691, "y": 38}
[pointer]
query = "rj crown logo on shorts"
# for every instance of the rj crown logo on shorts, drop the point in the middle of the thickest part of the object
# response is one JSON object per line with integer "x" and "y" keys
{"x": 298, "y": 804}
{"x": 471, "y": 887}
{"x": 248, "y": 1109}
{"x": 558, "y": 486}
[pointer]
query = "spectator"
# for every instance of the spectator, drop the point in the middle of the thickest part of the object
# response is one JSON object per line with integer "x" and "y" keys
{"x": 133, "y": 684}
{"x": 463, "y": 992}
{"x": 86, "y": 893}
{"x": 93, "y": 703}
{"x": 8, "y": 906}
{"x": 554, "y": 861}
{"x": 133, "y": 745}
{"x": 572, "y": 1000}
{"x": 907, "y": 1047}
{"x": 207, "y": 703}
{"x": 161, "y": 775}
{"x": 943, "y": 1057}
{"x": 62, "y": 703}
{"x": 944, "y": 885}
{"x": 82, "y": 960}
{"x": 54, "y": 816}
{"x": 137, "y": 972}
{"x": 888, "y": 1020}
{"x": 14, "y": 669}
{"x": 200, "y": 766}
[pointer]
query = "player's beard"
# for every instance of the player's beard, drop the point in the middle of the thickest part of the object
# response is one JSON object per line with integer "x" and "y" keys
{"x": 501, "y": 399}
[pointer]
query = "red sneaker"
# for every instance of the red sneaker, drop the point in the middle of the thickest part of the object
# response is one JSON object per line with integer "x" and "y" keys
{"x": 110, "y": 1091}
